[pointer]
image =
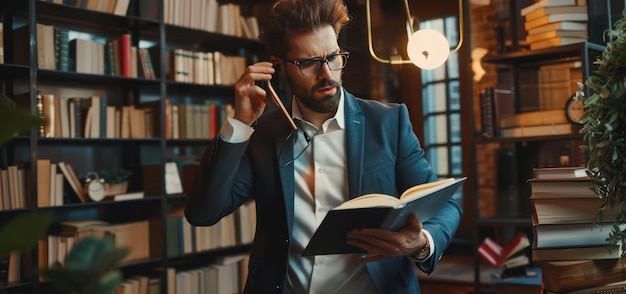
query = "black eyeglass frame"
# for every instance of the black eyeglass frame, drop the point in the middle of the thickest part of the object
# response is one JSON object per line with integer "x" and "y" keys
{"x": 295, "y": 139}
{"x": 321, "y": 61}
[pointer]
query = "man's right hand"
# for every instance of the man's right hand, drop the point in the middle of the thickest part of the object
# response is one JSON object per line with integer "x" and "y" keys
{"x": 249, "y": 98}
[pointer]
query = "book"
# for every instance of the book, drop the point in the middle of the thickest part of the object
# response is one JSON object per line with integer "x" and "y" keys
{"x": 578, "y": 253}
{"x": 612, "y": 288}
{"x": 555, "y": 10}
{"x": 557, "y": 33}
{"x": 558, "y": 41}
{"x": 559, "y": 172}
{"x": 487, "y": 115}
{"x": 126, "y": 196}
{"x": 571, "y": 235}
{"x": 570, "y": 210}
{"x": 533, "y": 118}
{"x": 545, "y": 3}
{"x": 559, "y": 276}
{"x": 508, "y": 256}
{"x": 541, "y": 130}
{"x": 562, "y": 25}
{"x": 72, "y": 179}
{"x": 530, "y": 24}
{"x": 43, "y": 182}
{"x": 561, "y": 188}
{"x": 379, "y": 211}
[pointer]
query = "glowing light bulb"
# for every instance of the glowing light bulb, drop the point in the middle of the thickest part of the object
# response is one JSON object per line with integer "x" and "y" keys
{"x": 428, "y": 49}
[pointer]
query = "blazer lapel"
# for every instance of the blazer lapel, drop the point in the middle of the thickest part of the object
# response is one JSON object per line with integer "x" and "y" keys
{"x": 355, "y": 132}
{"x": 286, "y": 173}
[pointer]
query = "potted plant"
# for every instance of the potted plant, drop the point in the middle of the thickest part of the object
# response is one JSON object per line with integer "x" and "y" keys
{"x": 115, "y": 181}
{"x": 604, "y": 126}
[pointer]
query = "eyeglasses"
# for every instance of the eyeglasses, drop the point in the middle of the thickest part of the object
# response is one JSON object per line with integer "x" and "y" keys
{"x": 312, "y": 66}
{"x": 291, "y": 135}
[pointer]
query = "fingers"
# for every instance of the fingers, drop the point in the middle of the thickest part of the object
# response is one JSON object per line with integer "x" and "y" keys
{"x": 261, "y": 71}
{"x": 383, "y": 243}
{"x": 250, "y": 98}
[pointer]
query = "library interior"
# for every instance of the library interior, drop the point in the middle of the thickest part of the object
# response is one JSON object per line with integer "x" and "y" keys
{"x": 111, "y": 110}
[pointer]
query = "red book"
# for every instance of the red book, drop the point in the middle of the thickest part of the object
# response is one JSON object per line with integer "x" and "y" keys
{"x": 124, "y": 52}
{"x": 507, "y": 256}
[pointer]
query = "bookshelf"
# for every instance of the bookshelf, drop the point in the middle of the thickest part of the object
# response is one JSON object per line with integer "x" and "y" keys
{"x": 512, "y": 158}
{"x": 152, "y": 89}
{"x": 505, "y": 155}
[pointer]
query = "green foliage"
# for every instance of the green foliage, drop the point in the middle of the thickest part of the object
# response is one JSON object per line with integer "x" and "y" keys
{"x": 115, "y": 176}
{"x": 89, "y": 268}
{"x": 14, "y": 120}
{"x": 22, "y": 232}
{"x": 604, "y": 127}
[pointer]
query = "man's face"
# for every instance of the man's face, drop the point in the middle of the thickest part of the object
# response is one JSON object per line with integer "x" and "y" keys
{"x": 319, "y": 92}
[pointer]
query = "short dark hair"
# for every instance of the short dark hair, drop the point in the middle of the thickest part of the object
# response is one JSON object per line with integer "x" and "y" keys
{"x": 300, "y": 16}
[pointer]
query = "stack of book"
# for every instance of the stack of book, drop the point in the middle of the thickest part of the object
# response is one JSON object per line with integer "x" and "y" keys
{"x": 552, "y": 23}
{"x": 570, "y": 239}
{"x": 535, "y": 123}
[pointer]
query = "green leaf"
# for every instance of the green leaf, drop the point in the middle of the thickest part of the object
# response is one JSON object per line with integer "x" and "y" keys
{"x": 108, "y": 283}
{"x": 65, "y": 280}
{"x": 15, "y": 120}
{"x": 23, "y": 231}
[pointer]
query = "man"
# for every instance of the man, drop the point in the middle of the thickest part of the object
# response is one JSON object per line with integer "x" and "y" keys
{"x": 343, "y": 147}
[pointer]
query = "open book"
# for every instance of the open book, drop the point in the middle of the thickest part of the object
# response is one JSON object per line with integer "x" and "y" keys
{"x": 379, "y": 211}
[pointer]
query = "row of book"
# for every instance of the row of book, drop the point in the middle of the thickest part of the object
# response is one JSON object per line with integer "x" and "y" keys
{"x": 58, "y": 184}
{"x": 93, "y": 117}
{"x": 15, "y": 186}
{"x": 499, "y": 121}
{"x": 60, "y": 49}
{"x": 117, "y": 7}
{"x": 545, "y": 91}
{"x": 226, "y": 275}
{"x": 552, "y": 23}
{"x": 234, "y": 229}
{"x": 204, "y": 68}
{"x": 570, "y": 240}
{"x": 211, "y": 16}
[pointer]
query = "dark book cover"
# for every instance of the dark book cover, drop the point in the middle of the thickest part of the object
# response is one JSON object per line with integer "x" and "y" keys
{"x": 330, "y": 236}
{"x": 62, "y": 48}
{"x": 487, "y": 118}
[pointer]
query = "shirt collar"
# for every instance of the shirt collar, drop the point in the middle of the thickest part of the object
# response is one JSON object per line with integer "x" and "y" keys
{"x": 339, "y": 115}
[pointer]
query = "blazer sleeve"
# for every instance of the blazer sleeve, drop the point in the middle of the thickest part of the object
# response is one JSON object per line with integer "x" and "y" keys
{"x": 221, "y": 185}
{"x": 412, "y": 163}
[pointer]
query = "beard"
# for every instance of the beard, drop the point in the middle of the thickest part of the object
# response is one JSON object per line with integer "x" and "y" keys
{"x": 325, "y": 104}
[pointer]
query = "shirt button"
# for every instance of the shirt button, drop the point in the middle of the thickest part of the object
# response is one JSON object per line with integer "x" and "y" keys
{"x": 321, "y": 209}
{"x": 320, "y": 170}
{"x": 319, "y": 260}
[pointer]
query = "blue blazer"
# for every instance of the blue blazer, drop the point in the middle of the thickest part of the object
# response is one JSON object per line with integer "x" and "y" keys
{"x": 384, "y": 156}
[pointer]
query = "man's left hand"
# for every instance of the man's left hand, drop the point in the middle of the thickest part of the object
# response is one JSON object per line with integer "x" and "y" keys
{"x": 380, "y": 243}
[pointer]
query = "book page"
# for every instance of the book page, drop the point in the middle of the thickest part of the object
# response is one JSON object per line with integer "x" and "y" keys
{"x": 425, "y": 189}
{"x": 370, "y": 200}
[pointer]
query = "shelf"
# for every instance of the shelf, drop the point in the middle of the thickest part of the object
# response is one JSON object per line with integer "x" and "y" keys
{"x": 574, "y": 136}
{"x": 195, "y": 38}
{"x": 71, "y": 76}
{"x": 504, "y": 221}
{"x": 100, "y": 141}
{"x": 552, "y": 53}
